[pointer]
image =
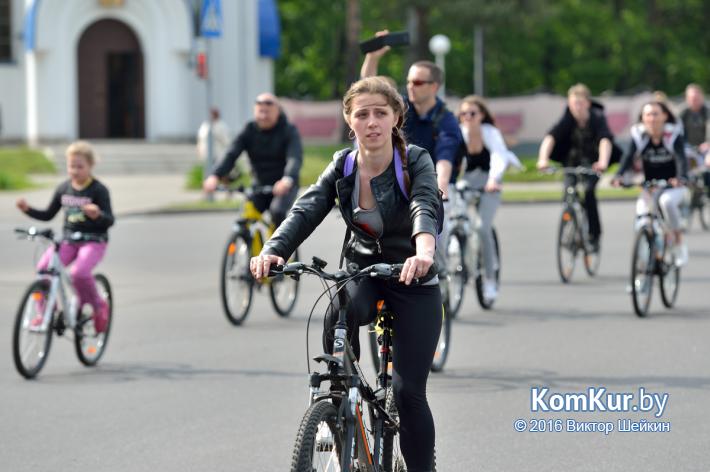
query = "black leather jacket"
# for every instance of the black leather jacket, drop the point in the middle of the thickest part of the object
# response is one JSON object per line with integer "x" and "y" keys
{"x": 403, "y": 219}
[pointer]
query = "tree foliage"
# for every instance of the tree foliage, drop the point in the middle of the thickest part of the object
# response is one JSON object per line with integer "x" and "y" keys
{"x": 617, "y": 46}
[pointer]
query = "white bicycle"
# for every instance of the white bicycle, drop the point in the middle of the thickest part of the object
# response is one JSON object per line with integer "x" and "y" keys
{"x": 50, "y": 304}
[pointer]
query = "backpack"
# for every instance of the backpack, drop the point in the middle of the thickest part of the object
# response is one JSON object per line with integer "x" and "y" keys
{"x": 399, "y": 171}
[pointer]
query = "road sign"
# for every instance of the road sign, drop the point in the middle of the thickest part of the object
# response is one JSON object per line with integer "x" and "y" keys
{"x": 211, "y": 19}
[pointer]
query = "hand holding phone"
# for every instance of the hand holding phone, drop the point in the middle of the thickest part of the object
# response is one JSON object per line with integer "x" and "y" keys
{"x": 398, "y": 38}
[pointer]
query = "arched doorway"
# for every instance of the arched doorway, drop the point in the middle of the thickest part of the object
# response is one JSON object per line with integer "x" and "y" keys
{"x": 111, "y": 91}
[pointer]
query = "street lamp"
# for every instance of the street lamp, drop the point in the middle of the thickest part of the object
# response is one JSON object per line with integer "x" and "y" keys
{"x": 439, "y": 45}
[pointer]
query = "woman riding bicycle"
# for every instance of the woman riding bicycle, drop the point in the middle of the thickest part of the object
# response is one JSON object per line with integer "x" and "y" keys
{"x": 87, "y": 210}
{"x": 659, "y": 144}
{"x": 384, "y": 226}
{"x": 487, "y": 157}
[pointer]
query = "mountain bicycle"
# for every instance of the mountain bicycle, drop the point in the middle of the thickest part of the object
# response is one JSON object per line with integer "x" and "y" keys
{"x": 464, "y": 248}
{"x": 653, "y": 255}
{"x": 350, "y": 425}
{"x": 51, "y": 305}
{"x": 574, "y": 227}
{"x": 247, "y": 238}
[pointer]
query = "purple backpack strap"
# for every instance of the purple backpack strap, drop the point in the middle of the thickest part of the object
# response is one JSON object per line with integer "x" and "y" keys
{"x": 398, "y": 170}
{"x": 349, "y": 164}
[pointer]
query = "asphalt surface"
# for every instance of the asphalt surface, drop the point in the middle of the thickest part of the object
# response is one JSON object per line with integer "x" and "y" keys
{"x": 180, "y": 389}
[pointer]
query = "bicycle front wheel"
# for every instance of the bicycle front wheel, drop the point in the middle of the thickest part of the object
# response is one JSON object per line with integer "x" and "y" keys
{"x": 669, "y": 279}
{"x": 319, "y": 442}
{"x": 567, "y": 245}
{"x": 31, "y": 340}
{"x": 284, "y": 291}
{"x": 237, "y": 284}
{"x": 444, "y": 344}
{"x": 90, "y": 344}
{"x": 643, "y": 264}
{"x": 456, "y": 272}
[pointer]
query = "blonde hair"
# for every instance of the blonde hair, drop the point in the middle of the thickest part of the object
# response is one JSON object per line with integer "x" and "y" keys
{"x": 579, "y": 90}
{"x": 85, "y": 149}
{"x": 380, "y": 86}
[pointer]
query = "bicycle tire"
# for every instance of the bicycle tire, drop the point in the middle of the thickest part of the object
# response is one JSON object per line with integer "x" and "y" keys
{"x": 284, "y": 287}
{"x": 669, "y": 279}
{"x": 484, "y": 302}
{"x": 567, "y": 245}
{"x": 236, "y": 283}
{"x": 392, "y": 458}
{"x": 704, "y": 212}
{"x": 456, "y": 269}
{"x": 592, "y": 260}
{"x": 312, "y": 439}
{"x": 90, "y": 345}
{"x": 642, "y": 270}
{"x": 23, "y": 333}
{"x": 443, "y": 345}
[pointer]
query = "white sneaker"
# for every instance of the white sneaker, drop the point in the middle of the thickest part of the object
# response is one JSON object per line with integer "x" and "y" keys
{"x": 490, "y": 289}
{"x": 681, "y": 255}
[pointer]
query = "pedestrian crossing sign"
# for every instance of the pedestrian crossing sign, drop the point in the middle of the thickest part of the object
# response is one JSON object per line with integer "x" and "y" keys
{"x": 211, "y": 19}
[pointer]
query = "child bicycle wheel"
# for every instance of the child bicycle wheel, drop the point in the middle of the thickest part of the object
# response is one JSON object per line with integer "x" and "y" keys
{"x": 89, "y": 343}
{"x": 32, "y": 334}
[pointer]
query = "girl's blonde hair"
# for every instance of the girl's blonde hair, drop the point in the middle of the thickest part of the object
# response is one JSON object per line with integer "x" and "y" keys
{"x": 83, "y": 148}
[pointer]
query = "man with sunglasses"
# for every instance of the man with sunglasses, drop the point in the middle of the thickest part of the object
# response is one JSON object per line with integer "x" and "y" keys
{"x": 274, "y": 149}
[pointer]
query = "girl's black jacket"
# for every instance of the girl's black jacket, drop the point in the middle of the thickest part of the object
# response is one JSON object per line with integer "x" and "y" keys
{"x": 403, "y": 218}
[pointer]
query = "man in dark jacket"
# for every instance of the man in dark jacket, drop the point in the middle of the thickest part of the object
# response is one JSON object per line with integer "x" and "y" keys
{"x": 274, "y": 149}
{"x": 580, "y": 138}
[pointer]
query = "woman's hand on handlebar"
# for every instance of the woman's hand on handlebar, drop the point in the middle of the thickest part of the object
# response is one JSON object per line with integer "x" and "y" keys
{"x": 259, "y": 265}
{"x": 675, "y": 182}
{"x": 415, "y": 267}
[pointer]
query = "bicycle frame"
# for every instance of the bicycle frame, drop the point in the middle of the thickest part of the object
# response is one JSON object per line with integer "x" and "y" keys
{"x": 349, "y": 388}
{"x": 466, "y": 220}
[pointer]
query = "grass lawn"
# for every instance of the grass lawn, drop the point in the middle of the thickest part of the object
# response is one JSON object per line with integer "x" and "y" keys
{"x": 17, "y": 162}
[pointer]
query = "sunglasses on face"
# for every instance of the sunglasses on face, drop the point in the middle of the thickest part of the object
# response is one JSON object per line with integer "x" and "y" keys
{"x": 418, "y": 83}
{"x": 470, "y": 114}
{"x": 267, "y": 103}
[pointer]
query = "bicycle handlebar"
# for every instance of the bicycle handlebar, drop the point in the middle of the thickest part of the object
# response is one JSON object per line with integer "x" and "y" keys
{"x": 295, "y": 269}
{"x": 578, "y": 170}
{"x": 249, "y": 189}
{"x": 48, "y": 234}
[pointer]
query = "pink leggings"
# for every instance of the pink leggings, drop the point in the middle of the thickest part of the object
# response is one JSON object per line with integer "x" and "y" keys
{"x": 85, "y": 256}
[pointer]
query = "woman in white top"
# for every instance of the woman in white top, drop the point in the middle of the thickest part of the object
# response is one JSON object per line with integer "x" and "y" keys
{"x": 487, "y": 158}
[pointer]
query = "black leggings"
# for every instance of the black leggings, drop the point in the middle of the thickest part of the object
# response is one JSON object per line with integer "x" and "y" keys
{"x": 278, "y": 206}
{"x": 417, "y": 323}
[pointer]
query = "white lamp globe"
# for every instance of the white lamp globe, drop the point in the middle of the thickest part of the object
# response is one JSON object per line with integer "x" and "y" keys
{"x": 439, "y": 44}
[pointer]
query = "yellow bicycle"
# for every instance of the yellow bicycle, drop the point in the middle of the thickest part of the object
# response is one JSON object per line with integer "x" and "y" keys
{"x": 247, "y": 238}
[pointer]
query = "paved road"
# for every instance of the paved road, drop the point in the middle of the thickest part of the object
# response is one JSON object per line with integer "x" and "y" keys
{"x": 181, "y": 390}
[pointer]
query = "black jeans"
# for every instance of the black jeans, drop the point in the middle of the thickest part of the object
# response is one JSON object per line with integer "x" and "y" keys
{"x": 590, "y": 201}
{"x": 278, "y": 206}
{"x": 417, "y": 323}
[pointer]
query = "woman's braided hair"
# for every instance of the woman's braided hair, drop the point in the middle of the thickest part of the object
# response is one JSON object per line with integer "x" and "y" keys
{"x": 380, "y": 86}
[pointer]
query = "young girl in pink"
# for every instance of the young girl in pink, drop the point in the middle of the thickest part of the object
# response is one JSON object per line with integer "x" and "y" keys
{"x": 87, "y": 210}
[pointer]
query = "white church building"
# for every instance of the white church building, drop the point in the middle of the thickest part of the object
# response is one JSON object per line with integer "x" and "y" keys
{"x": 107, "y": 69}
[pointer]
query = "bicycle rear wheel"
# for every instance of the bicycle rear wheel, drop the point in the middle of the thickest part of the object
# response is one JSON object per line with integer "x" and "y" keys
{"x": 567, "y": 245}
{"x": 284, "y": 291}
{"x": 592, "y": 260}
{"x": 392, "y": 458}
{"x": 483, "y": 301}
{"x": 643, "y": 264}
{"x": 89, "y": 344}
{"x": 704, "y": 211}
{"x": 456, "y": 272}
{"x": 319, "y": 440}
{"x": 444, "y": 344}
{"x": 31, "y": 340}
{"x": 669, "y": 280}
{"x": 374, "y": 346}
{"x": 237, "y": 284}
